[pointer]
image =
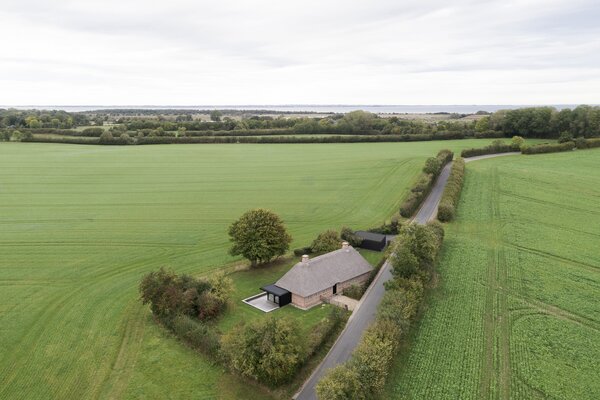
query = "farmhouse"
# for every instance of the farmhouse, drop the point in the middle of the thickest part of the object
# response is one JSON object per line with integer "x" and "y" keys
{"x": 372, "y": 241}
{"x": 313, "y": 280}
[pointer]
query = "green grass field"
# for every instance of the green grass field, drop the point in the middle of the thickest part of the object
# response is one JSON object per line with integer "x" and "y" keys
{"x": 81, "y": 224}
{"x": 516, "y": 313}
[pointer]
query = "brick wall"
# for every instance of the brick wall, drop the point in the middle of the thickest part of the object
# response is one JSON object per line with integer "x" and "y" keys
{"x": 312, "y": 300}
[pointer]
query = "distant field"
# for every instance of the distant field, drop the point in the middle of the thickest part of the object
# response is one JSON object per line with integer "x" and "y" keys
{"x": 79, "y": 225}
{"x": 516, "y": 314}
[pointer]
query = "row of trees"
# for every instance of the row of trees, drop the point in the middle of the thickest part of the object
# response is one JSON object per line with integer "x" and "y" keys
{"x": 12, "y": 118}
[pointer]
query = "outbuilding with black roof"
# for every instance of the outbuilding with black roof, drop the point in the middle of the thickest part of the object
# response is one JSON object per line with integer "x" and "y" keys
{"x": 371, "y": 240}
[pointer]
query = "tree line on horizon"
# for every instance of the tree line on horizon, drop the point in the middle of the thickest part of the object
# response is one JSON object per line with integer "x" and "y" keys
{"x": 531, "y": 122}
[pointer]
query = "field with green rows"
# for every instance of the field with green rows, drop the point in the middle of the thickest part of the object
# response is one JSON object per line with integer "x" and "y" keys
{"x": 79, "y": 226}
{"x": 516, "y": 311}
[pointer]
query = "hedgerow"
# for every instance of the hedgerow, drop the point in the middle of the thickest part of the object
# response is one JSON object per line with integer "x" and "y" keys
{"x": 549, "y": 148}
{"x": 497, "y": 146}
{"x": 431, "y": 170}
{"x": 451, "y": 195}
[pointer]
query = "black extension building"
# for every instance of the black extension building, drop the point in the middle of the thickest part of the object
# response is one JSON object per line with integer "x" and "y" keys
{"x": 277, "y": 295}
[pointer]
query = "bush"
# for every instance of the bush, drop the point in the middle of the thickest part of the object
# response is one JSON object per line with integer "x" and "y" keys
{"x": 497, "y": 146}
{"x": 325, "y": 329}
{"x": 373, "y": 357}
{"x": 302, "y": 251}
{"x": 451, "y": 195}
{"x": 126, "y": 139}
{"x": 171, "y": 295}
{"x": 355, "y": 291}
{"x": 93, "y": 132}
{"x": 416, "y": 249}
{"x": 106, "y": 138}
{"x": 349, "y": 236}
{"x": 326, "y": 241}
{"x": 259, "y": 235}
{"x": 549, "y": 148}
{"x": 340, "y": 383}
{"x": 196, "y": 334}
{"x": 388, "y": 229}
{"x": 565, "y": 137}
{"x": 420, "y": 190}
{"x": 266, "y": 349}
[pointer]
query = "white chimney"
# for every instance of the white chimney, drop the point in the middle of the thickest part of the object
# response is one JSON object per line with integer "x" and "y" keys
{"x": 305, "y": 258}
{"x": 345, "y": 245}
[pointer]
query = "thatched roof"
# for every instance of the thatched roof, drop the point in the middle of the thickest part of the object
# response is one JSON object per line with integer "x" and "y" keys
{"x": 322, "y": 272}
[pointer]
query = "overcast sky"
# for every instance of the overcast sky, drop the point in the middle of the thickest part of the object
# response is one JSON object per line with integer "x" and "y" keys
{"x": 186, "y": 52}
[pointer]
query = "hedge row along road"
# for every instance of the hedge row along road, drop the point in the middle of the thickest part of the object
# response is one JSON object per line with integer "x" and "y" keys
{"x": 364, "y": 314}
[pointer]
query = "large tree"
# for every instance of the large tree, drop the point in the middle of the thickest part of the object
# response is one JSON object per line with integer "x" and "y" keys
{"x": 259, "y": 235}
{"x": 267, "y": 349}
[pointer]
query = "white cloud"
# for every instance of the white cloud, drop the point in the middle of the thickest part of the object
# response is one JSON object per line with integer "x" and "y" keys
{"x": 273, "y": 52}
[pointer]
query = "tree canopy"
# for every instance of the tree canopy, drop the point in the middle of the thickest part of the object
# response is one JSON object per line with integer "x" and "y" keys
{"x": 259, "y": 235}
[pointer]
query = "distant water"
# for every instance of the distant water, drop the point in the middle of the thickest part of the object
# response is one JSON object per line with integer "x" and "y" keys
{"x": 332, "y": 108}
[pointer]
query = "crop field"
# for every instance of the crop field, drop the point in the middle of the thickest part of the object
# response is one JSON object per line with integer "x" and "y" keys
{"x": 79, "y": 225}
{"x": 516, "y": 311}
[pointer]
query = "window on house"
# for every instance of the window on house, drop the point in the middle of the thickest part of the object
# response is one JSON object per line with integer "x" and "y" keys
{"x": 277, "y": 299}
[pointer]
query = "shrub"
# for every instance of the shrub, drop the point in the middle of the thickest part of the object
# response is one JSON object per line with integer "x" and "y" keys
{"x": 549, "y": 148}
{"x": 259, "y": 235}
{"x": 126, "y": 139}
{"x": 349, "y": 236}
{"x": 355, "y": 291}
{"x": 340, "y": 383}
{"x": 196, "y": 334}
{"x": 373, "y": 357}
{"x": 106, "y": 138}
{"x": 451, "y": 195}
{"x": 302, "y": 251}
{"x": 517, "y": 142}
{"x": 497, "y": 146}
{"x": 170, "y": 295}
{"x": 423, "y": 186}
{"x": 581, "y": 143}
{"x": 326, "y": 241}
{"x": 4, "y": 136}
{"x": 266, "y": 349}
{"x": 94, "y": 132}
{"x": 416, "y": 249}
{"x": 565, "y": 137}
{"x": 388, "y": 229}
{"x": 325, "y": 329}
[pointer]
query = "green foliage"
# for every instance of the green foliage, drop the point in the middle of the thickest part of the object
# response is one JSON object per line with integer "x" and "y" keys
{"x": 565, "y": 137}
{"x": 497, "y": 146}
{"x": 340, "y": 383}
{"x": 416, "y": 249}
{"x": 326, "y": 241}
{"x": 516, "y": 142}
{"x": 432, "y": 166}
{"x": 425, "y": 182}
{"x": 106, "y": 137}
{"x": 451, "y": 195}
{"x": 170, "y": 294}
{"x": 215, "y": 115}
{"x": 259, "y": 235}
{"x": 196, "y": 334}
{"x": 354, "y": 291}
{"x": 349, "y": 236}
{"x": 549, "y": 148}
{"x": 267, "y": 350}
